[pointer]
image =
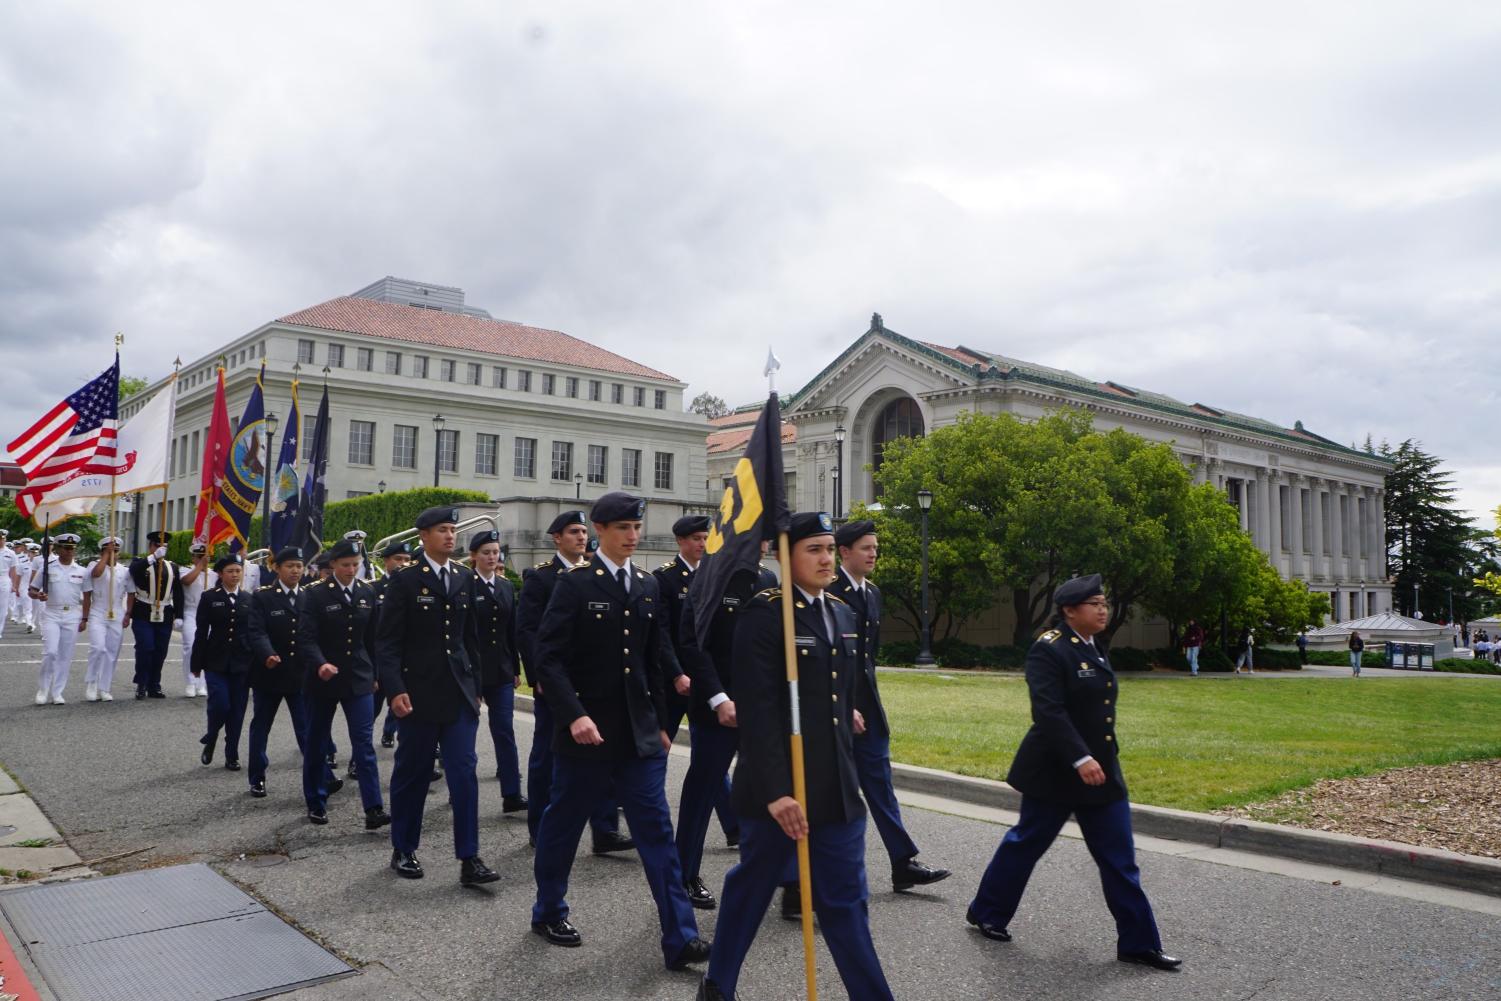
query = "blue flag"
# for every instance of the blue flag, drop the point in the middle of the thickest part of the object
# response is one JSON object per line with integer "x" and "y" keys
{"x": 244, "y": 472}
{"x": 307, "y": 530}
{"x": 286, "y": 485}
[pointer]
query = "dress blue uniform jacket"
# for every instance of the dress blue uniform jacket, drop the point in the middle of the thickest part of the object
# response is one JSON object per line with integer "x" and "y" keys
{"x": 223, "y": 641}
{"x": 495, "y": 625}
{"x": 334, "y": 630}
{"x": 273, "y": 632}
{"x": 536, "y": 591}
{"x": 866, "y": 605}
{"x": 763, "y": 707}
{"x": 600, "y": 653}
{"x": 426, "y": 645}
{"x": 1074, "y": 693}
{"x": 168, "y": 585}
{"x": 672, "y": 584}
{"x": 712, "y": 666}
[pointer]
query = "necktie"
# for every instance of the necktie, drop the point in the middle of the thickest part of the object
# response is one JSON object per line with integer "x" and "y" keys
{"x": 621, "y": 577}
{"x": 823, "y": 617}
{"x": 443, "y": 578}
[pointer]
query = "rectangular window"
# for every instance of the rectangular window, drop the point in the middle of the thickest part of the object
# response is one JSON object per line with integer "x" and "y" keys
{"x": 523, "y": 380}
{"x": 663, "y": 478}
{"x": 309, "y": 425}
{"x": 525, "y": 465}
{"x": 364, "y": 359}
{"x": 486, "y": 448}
{"x": 172, "y": 460}
{"x": 571, "y": 387}
{"x": 1305, "y": 502}
{"x": 617, "y": 393}
{"x": 393, "y": 362}
{"x": 660, "y": 399}
{"x": 193, "y": 453}
{"x": 336, "y": 356}
{"x": 594, "y": 390}
{"x": 638, "y": 396}
{"x": 305, "y": 351}
{"x": 419, "y": 366}
{"x": 448, "y": 451}
{"x": 404, "y": 446}
{"x": 599, "y": 457}
{"x": 446, "y": 370}
{"x": 362, "y": 443}
{"x": 498, "y": 377}
{"x": 476, "y": 372}
{"x": 549, "y": 384}
{"x": 630, "y": 467}
{"x": 562, "y": 460}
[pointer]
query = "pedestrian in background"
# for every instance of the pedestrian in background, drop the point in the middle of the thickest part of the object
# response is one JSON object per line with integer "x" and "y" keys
{"x": 1246, "y": 651}
{"x": 1357, "y": 651}
{"x": 1303, "y": 647}
{"x": 1193, "y": 642}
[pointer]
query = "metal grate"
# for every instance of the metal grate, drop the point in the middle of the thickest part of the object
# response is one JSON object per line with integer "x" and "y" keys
{"x": 179, "y": 934}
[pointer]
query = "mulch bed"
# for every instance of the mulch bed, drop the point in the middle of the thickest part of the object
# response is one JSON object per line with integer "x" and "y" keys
{"x": 1456, "y": 807}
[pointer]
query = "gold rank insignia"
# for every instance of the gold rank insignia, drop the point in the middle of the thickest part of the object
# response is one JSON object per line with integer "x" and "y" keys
{"x": 1050, "y": 635}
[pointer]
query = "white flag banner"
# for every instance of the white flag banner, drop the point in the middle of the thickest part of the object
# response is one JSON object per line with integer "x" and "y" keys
{"x": 143, "y": 445}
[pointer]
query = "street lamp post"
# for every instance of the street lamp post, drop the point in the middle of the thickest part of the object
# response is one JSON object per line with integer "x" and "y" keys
{"x": 381, "y": 486}
{"x": 271, "y": 478}
{"x": 838, "y": 470}
{"x": 578, "y": 485}
{"x": 1414, "y": 599}
{"x": 438, "y": 423}
{"x": 925, "y": 653}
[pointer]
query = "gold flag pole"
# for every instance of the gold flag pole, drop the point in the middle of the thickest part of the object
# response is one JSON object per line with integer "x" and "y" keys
{"x": 156, "y": 589}
{"x": 110, "y": 570}
{"x": 799, "y": 779}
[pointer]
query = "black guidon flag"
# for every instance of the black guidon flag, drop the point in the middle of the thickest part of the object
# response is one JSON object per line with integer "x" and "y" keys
{"x": 754, "y": 507}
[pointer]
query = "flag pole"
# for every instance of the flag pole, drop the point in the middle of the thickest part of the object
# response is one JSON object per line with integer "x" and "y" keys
{"x": 110, "y": 570}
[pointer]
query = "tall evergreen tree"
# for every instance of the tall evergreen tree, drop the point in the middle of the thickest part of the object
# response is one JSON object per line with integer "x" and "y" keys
{"x": 1429, "y": 543}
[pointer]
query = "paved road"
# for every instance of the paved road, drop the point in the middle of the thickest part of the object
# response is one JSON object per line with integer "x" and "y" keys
{"x": 124, "y": 775}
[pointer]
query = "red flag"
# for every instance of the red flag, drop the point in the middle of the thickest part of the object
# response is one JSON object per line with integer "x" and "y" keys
{"x": 215, "y": 450}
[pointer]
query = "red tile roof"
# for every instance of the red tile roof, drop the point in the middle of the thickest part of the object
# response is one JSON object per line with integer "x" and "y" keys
{"x": 743, "y": 418}
{"x": 960, "y": 355}
{"x": 11, "y": 475}
{"x": 463, "y": 332}
{"x": 735, "y": 439}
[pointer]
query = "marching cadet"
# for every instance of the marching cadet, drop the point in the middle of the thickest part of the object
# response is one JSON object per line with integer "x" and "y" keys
{"x": 7, "y": 577}
{"x": 495, "y": 621}
{"x": 357, "y": 538}
{"x": 196, "y": 578}
{"x": 858, "y": 548}
{"x": 107, "y": 619}
{"x": 393, "y": 558}
{"x": 275, "y": 671}
{"x": 20, "y": 608}
{"x": 600, "y": 657}
{"x": 156, "y": 601}
{"x": 334, "y": 645}
{"x": 221, "y": 655}
{"x": 426, "y": 651}
{"x": 63, "y": 591}
{"x": 771, "y": 820}
{"x": 35, "y": 606}
{"x": 570, "y": 537}
{"x": 1068, "y": 764}
{"x": 692, "y": 534}
{"x": 713, "y": 724}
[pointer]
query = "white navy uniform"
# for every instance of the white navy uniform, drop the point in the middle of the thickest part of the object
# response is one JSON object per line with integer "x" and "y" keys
{"x": 20, "y": 611}
{"x": 62, "y": 614}
{"x": 105, "y": 632}
{"x": 7, "y": 582}
{"x": 207, "y": 580}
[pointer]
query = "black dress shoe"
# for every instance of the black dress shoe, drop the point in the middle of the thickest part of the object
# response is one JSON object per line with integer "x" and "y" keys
{"x": 708, "y": 990}
{"x": 258, "y": 790}
{"x": 333, "y": 761}
{"x": 559, "y": 932}
{"x": 376, "y": 817}
{"x": 231, "y": 764}
{"x": 699, "y": 895}
{"x": 406, "y": 865}
{"x": 1155, "y": 958}
{"x": 349, "y": 772}
{"x": 910, "y": 873}
{"x": 730, "y": 841}
{"x": 696, "y": 951}
{"x": 513, "y": 804}
{"x": 987, "y": 929}
{"x": 140, "y": 694}
{"x": 157, "y": 694}
{"x": 335, "y": 785}
{"x": 612, "y": 841}
{"x": 792, "y": 902}
{"x": 474, "y": 872}
{"x": 207, "y": 757}
{"x": 318, "y": 816}
{"x": 387, "y": 741}
{"x": 437, "y": 774}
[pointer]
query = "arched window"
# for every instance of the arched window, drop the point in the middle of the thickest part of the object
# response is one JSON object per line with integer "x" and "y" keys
{"x": 898, "y": 419}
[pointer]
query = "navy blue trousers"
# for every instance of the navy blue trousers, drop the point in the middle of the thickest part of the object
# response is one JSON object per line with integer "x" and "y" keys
{"x": 500, "y": 701}
{"x": 1107, "y": 834}
{"x": 264, "y": 705}
{"x": 151, "y": 642}
{"x": 539, "y": 770}
{"x": 705, "y": 790}
{"x": 873, "y": 766}
{"x": 228, "y": 694}
{"x": 359, "y": 711}
{"x": 416, "y": 745}
{"x": 839, "y": 900}
{"x": 578, "y": 786}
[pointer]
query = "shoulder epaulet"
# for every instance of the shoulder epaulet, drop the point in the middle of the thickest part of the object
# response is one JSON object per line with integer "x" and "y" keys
{"x": 770, "y": 594}
{"x": 1049, "y": 636}
{"x": 543, "y": 565}
{"x": 265, "y": 587}
{"x": 835, "y": 597}
{"x": 581, "y": 566}
{"x": 668, "y": 565}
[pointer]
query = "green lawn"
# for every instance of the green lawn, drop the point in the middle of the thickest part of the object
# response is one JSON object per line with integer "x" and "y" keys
{"x": 1207, "y": 743}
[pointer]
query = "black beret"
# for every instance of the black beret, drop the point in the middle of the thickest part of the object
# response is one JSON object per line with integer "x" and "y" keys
{"x": 617, "y": 505}
{"x": 341, "y": 549}
{"x": 320, "y": 561}
{"x": 289, "y": 553}
{"x": 852, "y": 532}
{"x": 228, "y": 560}
{"x": 690, "y": 523}
{"x": 565, "y": 519}
{"x": 438, "y": 516}
{"x": 480, "y": 538}
{"x": 806, "y": 524}
{"x": 1080, "y": 589}
{"x": 157, "y": 538}
{"x": 395, "y": 549}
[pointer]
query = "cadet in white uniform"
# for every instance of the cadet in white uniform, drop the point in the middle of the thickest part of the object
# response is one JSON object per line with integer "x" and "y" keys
{"x": 110, "y": 584}
{"x": 196, "y": 579}
{"x": 7, "y": 577}
{"x": 20, "y": 608}
{"x": 65, "y": 614}
{"x": 34, "y": 606}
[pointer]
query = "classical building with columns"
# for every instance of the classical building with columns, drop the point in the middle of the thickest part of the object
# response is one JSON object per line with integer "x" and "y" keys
{"x": 1312, "y": 505}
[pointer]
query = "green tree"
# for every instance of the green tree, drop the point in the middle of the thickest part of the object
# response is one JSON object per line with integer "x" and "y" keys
{"x": 130, "y": 385}
{"x": 709, "y": 405}
{"x": 1428, "y": 541}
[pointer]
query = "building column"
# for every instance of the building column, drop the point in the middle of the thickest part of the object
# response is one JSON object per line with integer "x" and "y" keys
{"x": 1295, "y": 512}
{"x": 1263, "y": 512}
{"x": 1244, "y": 504}
{"x": 1378, "y": 534}
{"x": 1317, "y": 565}
{"x": 1274, "y": 540}
{"x": 1337, "y": 568}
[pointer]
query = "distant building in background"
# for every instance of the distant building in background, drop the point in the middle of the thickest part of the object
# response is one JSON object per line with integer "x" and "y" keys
{"x": 12, "y": 479}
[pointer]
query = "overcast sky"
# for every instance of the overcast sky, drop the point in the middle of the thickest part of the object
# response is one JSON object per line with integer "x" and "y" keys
{"x": 1287, "y": 209}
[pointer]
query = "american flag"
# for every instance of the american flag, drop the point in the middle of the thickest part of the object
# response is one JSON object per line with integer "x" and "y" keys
{"x": 73, "y": 438}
